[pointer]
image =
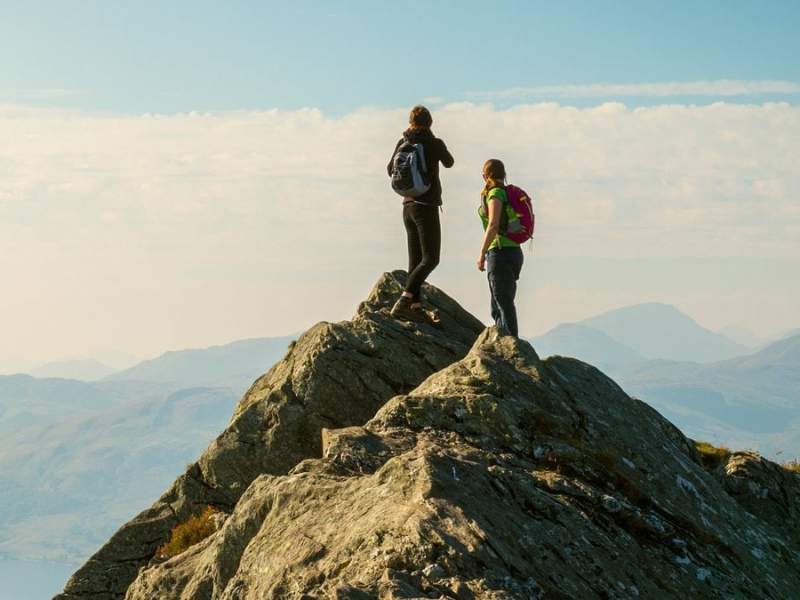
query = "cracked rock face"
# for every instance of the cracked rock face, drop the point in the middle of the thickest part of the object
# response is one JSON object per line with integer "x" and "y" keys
{"x": 335, "y": 375}
{"x": 494, "y": 476}
{"x": 764, "y": 489}
{"x": 499, "y": 477}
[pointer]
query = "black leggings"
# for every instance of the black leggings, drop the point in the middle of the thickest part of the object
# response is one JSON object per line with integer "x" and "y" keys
{"x": 424, "y": 242}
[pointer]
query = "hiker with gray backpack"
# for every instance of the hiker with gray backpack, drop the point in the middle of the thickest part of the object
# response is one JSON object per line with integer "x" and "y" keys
{"x": 414, "y": 171}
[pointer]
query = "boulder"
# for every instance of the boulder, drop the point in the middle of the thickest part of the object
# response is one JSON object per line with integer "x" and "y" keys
{"x": 335, "y": 375}
{"x": 501, "y": 476}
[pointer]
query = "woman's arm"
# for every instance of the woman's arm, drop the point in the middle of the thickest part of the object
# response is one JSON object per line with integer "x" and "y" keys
{"x": 495, "y": 206}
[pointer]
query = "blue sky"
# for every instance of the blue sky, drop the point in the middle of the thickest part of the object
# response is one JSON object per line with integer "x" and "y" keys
{"x": 152, "y": 155}
{"x": 168, "y": 57}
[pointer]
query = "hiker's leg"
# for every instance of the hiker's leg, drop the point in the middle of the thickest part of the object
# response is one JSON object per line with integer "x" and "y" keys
{"x": 431, "y": 241}
{"x": 494, "y": 307}
{"x": 517, "y": 258}
{"x": 429, "y": 233}
{"x": 412, "y": 237}
{"x": 503, "y": 277}
{"x": 513, "y": 259}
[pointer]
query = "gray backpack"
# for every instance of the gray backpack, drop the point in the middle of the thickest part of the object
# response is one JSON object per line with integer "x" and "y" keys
{"x": 409, "y": 170}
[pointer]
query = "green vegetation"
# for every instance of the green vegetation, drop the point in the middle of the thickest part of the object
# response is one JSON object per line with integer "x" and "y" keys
{"x": 712, "y": 456}
{"x": 194, "y": 530}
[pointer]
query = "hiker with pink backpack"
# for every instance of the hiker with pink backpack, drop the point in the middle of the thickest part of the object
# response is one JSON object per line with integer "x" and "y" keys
{"x": 507, "y": 215}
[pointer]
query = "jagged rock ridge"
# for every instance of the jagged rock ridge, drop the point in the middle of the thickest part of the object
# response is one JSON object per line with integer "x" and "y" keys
{"x": 500, "y": 476}
{"x": 335, "y": 375}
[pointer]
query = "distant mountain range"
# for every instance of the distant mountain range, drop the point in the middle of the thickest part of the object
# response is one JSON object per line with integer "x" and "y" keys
{"x": 635, "y": 333}
{"x": 590, "y": 345}
{"x": 758, "y": 394}
{"x": 745, "y": 337}
{"x": 27, "y": 401}
{"x": 65, "y": 485}
{"x": 235, "y": 364}
{"x": 86, "y": 369}
{"x": 718, "y": 390}
{"x": 68, "y": 447}
{"x": 662, "y": 331}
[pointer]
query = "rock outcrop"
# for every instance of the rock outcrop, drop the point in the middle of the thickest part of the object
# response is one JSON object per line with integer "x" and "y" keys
{"x": 335, "y": 375}
{"x": 500, "y": 476}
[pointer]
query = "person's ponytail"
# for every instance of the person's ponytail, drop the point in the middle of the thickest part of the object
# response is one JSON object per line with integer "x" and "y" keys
{"x": 495, "y": 172}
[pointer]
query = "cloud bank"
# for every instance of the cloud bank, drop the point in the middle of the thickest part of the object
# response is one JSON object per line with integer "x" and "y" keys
{"x": 717, "y": 88}
{"x": 148, "y": 232}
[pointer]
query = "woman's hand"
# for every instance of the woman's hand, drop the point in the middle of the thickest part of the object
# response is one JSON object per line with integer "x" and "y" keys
{"x": 482, "y": 262}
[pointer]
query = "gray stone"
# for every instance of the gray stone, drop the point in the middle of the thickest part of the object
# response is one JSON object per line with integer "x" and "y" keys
{"x": 497, "y": 476}
{"x": 335, "y": 375}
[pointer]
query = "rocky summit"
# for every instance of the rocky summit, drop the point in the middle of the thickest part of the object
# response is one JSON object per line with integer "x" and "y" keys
{"x": 384, "y": 460}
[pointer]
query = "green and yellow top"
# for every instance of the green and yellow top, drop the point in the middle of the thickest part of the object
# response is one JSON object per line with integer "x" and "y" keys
{"x": 500, "y": 241}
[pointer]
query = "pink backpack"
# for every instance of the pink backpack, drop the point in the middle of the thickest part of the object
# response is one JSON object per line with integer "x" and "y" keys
{"x": 520, "y": 230}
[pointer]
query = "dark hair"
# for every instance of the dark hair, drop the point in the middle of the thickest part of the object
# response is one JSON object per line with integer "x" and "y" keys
{"x": 420, "y": 118}
{"x": 495, "y": 172}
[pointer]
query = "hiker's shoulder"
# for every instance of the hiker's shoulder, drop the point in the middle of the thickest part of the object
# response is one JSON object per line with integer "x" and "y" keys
{"x": 497, "y": 192}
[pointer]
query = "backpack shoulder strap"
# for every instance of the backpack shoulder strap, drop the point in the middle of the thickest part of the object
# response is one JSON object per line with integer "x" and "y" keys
{"x": 422, "y": 159}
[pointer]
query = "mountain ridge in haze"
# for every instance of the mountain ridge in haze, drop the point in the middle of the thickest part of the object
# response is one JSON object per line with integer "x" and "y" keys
{"x": 64, "y": 484}
{"x": 743, "y": 336}
{"x": 236, "y": 363}
{"x": 83, "y": 369}
{"x": 592, "y": 345}
{"x": 65, "y": 441}
{"x": 635, "y": 333}
{"x": 658, "y": 330}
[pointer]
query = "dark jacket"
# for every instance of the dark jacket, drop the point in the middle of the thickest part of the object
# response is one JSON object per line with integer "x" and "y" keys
{"x": 435, "y": 152}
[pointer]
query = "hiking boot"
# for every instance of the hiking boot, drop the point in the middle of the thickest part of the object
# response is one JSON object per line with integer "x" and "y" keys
{"x": 402, "y": 310}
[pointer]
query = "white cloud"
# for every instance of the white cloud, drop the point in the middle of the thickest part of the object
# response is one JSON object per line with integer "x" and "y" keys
{"x": 716, "y": 88}
{"x": 148, "y": 232}
{"x": 28, "y": 94}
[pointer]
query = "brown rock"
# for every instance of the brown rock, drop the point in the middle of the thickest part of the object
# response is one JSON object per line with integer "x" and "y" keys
{"x": 335, "y": 375}
{"x": 499, "y": 477}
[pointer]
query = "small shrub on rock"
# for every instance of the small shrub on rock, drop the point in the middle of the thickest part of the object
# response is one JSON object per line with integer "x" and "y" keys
{"x": 187, "y": 534}
{"x": 712, "y": 456}
{"x": 792, "y": 465}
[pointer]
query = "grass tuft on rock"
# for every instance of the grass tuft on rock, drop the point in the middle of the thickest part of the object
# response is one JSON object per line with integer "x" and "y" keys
{"x": 712, "y": 456}
{"x": 187, "y": 534}
{"x": 792, "y": 465}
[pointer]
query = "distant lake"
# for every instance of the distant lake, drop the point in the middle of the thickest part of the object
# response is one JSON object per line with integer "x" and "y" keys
{"x": 32, "y": 579}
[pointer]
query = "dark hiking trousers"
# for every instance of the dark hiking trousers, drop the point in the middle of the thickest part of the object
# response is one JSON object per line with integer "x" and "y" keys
{"x": 503, "y": 266}
{"x": 424, "y": 242}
